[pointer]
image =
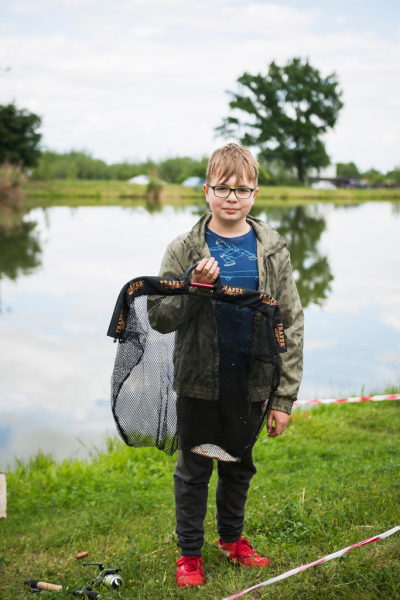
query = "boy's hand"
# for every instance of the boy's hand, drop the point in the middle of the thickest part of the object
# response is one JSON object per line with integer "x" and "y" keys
{"x": 206, "y": 271}
{"x": 281, "y": 420}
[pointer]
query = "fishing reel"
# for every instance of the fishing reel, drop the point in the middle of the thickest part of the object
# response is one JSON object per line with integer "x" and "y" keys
{"x": 107, "y": 578}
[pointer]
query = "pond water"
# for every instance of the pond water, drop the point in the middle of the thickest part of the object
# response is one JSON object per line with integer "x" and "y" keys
{"x": 60, "y": 275}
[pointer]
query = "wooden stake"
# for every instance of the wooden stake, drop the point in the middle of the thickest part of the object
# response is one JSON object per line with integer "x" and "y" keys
{"x": 3, "y": 496}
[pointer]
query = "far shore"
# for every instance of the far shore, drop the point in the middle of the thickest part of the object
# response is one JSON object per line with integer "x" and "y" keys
{"x": 109, "y": 193}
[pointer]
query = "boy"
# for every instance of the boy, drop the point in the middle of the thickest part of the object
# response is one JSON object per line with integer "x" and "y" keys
{"x": 253, "y": 256}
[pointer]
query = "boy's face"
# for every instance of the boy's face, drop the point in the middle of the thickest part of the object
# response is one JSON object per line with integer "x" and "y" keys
{"x": 230, "y": 209}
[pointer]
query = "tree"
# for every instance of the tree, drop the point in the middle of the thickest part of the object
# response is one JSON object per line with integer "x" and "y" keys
{"x": 347, "y": 170}
{"x": 175, "y": 170}
{"x": 374, "y": 177}
{"x": 289, "y": 109}
{"x": 19, "y": 140}
{"x": 394, "y": 175}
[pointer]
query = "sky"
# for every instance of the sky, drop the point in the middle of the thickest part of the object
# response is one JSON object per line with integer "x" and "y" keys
{"x": 127, "y": 80}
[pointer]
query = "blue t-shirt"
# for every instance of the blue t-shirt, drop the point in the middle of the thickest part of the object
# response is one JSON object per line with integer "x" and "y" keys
{"x": 237, "y": 259}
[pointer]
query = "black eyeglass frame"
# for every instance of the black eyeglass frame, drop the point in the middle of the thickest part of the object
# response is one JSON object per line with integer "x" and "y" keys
{"x": 232, "y": 190}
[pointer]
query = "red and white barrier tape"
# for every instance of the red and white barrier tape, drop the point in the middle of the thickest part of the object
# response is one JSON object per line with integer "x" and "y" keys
{"x": 317, "y": 562}
{"x": 356, "y": 399}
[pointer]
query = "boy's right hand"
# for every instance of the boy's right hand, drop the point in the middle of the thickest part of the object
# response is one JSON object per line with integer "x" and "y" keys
{"x": 206, "y": 271}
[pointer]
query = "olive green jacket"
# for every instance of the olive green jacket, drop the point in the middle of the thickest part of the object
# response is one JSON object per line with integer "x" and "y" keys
{"x": 275, "y": 279}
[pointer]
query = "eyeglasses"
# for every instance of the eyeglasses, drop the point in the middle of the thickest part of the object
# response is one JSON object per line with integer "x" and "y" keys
{"x": 241, "y": 193}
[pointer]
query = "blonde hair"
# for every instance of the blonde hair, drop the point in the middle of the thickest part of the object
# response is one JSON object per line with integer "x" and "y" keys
{"x": 230, "y": 160}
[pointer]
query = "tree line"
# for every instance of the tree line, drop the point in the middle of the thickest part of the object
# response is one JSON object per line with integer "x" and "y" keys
{"x": 81, "y": 165}
{"x": 373, "y": 176}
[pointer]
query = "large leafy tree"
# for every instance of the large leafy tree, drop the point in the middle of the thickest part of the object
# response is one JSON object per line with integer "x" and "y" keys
{"x": 19, "y": 139}
{"x": 288, "y": 111}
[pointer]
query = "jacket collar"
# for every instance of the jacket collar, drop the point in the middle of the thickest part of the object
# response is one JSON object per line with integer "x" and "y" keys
{"x": 270, "y": 239}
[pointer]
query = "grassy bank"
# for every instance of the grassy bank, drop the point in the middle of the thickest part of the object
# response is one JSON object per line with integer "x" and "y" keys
{"x": 74, "y": 192}
{"x": 344, "y": 460}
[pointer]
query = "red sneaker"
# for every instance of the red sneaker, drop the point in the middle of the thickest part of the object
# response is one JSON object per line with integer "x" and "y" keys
{"x": 242, "y": 551}
{"x": 190, "y": 571}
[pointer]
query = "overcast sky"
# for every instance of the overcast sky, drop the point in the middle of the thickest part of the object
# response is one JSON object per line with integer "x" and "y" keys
{"x": 130, "y": 79}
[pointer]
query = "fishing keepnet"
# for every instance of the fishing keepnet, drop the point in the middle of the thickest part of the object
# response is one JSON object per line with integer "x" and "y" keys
{"x": 194, "y": 370}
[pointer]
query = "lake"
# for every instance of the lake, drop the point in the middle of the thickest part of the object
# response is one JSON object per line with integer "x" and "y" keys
{"x": 60, "y": 275}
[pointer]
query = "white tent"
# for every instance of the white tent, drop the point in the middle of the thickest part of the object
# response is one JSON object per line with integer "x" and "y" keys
{"x": 323, "y": 185}
{"x": 140, "y": 180}
{"x": 193, "y": 182}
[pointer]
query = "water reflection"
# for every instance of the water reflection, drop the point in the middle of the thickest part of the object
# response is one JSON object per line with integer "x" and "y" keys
{"x": 56, "y": 359}
{"x": 153, "y": 204}
{"x": 396, "y": 208}
{"x": 20, "y": 250}
{"x": 302, "y": 228}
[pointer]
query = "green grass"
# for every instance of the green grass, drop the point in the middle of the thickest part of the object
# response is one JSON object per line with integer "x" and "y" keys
{"x": 120, "y": 508}
{"x": 92, "y": 193}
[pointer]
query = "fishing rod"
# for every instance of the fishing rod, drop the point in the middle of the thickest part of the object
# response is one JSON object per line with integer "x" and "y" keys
{"x": 43, "y": 586}
{"x": 107, "y": 578}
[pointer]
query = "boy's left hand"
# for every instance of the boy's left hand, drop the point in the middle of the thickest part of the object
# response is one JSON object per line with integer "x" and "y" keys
{"x": 281, "y": 420}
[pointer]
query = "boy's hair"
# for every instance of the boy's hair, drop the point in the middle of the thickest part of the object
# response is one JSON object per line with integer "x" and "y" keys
{"x": 229, "y": 160}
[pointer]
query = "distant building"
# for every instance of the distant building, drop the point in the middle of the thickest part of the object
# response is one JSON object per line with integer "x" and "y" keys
{"x": 193, "y": 182}
{"x": 319, "y": 178}
{"x": 140, "y": 180}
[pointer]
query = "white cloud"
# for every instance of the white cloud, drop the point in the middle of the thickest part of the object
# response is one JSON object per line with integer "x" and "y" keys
{"x": 145, "y": 32}
{"x": 341, "y": 20}
{"x": 26, "y": 6}
{"x": 267, "y": 17}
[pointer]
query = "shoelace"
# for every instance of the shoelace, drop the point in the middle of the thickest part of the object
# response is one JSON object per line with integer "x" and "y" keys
{"x": 244, "y": 547}
{"x": 192, "y": 564}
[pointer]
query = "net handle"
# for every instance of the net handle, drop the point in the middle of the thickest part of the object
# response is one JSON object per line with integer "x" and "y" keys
{"x": 216, "y": 286}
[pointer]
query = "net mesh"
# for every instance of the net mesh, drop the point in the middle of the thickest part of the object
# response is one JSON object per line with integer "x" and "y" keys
{"x": 194, "y": 371}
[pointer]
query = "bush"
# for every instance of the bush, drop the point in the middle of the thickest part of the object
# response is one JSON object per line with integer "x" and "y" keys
{"x": 374, "y": 177}
{"x": 394, "y": 176}
{"x": 11, "y": 194}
